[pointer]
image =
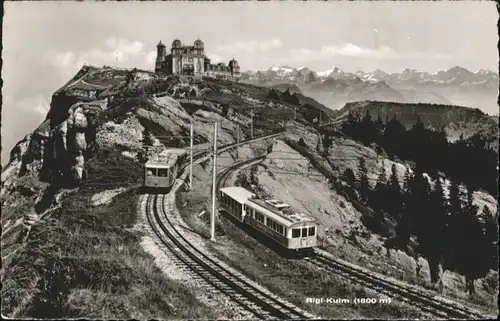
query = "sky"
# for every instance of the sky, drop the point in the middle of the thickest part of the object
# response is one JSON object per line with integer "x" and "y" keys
{"x": 46, "y": 43}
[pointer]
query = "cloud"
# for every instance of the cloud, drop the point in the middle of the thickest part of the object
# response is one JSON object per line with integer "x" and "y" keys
{"x": 351, "y": 50}
{"x": 214, "y": 58}
{"x": 250, "y": 46}
{"x": 116, "y": 51}
{"x": 31, "y": 110}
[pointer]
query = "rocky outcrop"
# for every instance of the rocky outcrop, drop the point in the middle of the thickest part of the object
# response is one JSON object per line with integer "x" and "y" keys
{"x": 70, "y": 139}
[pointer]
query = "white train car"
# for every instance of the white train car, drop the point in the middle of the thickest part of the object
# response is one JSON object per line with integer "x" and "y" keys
{"x": 161, "y": 170}
{"x": 276, "y": 219}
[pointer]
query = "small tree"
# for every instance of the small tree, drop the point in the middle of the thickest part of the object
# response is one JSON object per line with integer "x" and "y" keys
{"x": 379, "y": 192}
{"x": 327, "y": 143}
{"x": 147, "y": 137}
{"x": 349, "y": 177}
{"x": 363, "y": 184}
{"x": 394, "y": 194}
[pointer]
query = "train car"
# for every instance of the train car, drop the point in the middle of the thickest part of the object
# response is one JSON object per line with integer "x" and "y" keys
{"x": 291, "y": 229}
{"x": 233, "y": 199}
{"x": 161, "y": 170}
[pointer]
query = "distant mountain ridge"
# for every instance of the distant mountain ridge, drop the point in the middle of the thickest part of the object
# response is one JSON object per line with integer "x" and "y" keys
{"x": 454, "y": 120}
{"x": 455, "y": 75}
{"x": 335, "y": 88}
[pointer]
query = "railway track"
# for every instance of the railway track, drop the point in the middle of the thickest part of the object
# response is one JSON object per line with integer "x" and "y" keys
{"x": 425, "y": 302}
{"x": 261, "y": 304}
{"x": 225, "y": 174}
{"x": 250, "y": 298}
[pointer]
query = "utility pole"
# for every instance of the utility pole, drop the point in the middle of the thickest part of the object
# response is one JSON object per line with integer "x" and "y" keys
{"x": 237, "y": 141}
{"x": 214, "y": 192}
{"x": 191, "y": 133}
{"x": 251, "y": 122}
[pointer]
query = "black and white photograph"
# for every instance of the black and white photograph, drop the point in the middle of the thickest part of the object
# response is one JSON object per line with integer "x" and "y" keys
{"x": 250, "y": 160}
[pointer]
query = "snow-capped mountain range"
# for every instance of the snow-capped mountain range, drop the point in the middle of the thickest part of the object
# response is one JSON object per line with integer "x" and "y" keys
{"x": 334, "y": 87}
{"x": 453, "y": 76}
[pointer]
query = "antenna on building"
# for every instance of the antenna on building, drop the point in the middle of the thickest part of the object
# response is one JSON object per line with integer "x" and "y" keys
{"x": 116, "y": 53}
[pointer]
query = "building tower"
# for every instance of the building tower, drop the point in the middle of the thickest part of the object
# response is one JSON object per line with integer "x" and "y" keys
{"x": 176, "y": 54}
{"x": 199, "y": 57}
{"x": 161, "y": 53}
{"x": 234, "y": 67}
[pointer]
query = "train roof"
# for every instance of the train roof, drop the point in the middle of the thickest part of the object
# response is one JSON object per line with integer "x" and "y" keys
{"x": 240, "y": 194}
{"x": 278, "y": 210}
{"x": 166, "y": 158}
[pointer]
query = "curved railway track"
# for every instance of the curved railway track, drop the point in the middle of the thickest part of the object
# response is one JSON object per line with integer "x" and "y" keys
{"x": 250, "y": 298}
{"x": 261, "y": 303}
{"x": 423, "y": 301}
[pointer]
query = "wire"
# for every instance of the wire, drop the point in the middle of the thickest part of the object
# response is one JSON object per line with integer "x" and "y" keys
{"x": 304, "y": 158}
{"x": 172, "y": 136}
{"x": 309, "y": 173}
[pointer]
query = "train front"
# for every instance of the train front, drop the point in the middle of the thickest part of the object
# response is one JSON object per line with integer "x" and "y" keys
{"x": 160, "y": 172}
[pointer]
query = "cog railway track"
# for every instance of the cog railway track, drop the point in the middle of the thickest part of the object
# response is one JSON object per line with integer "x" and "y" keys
{"x": 425, "y": 302}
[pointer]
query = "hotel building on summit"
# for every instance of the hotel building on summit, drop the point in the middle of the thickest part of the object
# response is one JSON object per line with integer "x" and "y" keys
{"x": 191, "y": 60}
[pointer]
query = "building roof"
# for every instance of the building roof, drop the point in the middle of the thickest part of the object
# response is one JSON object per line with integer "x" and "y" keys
{"x": 198, "y": 43}
{"x": 160, "y": 44}
{"x": 176, "y": 43}
{"x": 240, "y": 194}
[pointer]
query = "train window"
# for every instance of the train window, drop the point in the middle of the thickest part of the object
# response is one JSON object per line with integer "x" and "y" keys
{"x": 295, "y": 232}
{"x": 304, "y": 232}
{"x": 280, "y": 229}
{"x": 312, "y": 231}
{"x": 259, "y": 217}
{"x": 149, "y": 172}
{"x": 162, "y": 172}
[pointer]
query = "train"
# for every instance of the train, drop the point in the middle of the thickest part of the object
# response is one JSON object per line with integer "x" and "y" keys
{"x": 290, "y": 229}
{"x": 161, "y": 170}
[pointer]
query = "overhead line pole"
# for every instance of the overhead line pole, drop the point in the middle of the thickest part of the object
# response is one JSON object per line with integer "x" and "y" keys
{"x": 251, "y": 122}
{"x": 214, "y": 177}
{"x": 191, "y": 132}
{"x": 237, "y": 140}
